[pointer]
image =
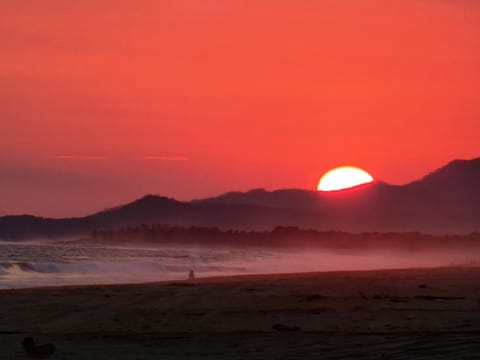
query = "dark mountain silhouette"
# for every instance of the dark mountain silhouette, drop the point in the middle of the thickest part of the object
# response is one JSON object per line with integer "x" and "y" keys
{"x": 289, "y": 199}
{"x": 445, "y": 201}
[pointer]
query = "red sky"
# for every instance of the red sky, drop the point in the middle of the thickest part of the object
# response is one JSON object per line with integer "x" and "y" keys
{"x": 103, "y": 101}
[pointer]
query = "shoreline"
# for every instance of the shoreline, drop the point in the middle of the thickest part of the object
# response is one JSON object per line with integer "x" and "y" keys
{"x": 238, "y": 278}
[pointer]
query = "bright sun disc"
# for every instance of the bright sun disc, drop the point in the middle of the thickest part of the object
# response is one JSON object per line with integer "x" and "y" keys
{"x": 343, "y": 177}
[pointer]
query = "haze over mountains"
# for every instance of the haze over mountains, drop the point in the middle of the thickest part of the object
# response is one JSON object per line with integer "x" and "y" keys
{"x": 445, "y": 201}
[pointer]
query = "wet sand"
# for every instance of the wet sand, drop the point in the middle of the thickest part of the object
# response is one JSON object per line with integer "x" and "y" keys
{"x": 394, "y": 314}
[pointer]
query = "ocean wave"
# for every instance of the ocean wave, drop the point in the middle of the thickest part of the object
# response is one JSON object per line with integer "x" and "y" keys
{"x": 32, "y": 267}
{"x": 118, "y": 268}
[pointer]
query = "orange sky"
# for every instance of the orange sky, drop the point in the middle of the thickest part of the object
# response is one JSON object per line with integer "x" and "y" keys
{"x": 102, "y": 101}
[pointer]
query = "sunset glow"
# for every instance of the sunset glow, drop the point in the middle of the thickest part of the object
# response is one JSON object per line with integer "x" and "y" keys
{"x": 343, "y": 177}
{"x": 104, "y": 101}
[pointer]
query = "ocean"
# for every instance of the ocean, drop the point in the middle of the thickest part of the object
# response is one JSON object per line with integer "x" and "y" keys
{"x": 34, "y": 264}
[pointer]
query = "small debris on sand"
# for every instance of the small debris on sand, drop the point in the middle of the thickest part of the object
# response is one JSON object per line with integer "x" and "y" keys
{"x": 37, "y": 351}
{"x": 431, "y": 297}
{"x": 314, "y": 297}
{"x": 282, "y": 327}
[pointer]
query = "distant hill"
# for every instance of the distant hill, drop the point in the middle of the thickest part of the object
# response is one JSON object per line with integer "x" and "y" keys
{"x": 444, "y": 201}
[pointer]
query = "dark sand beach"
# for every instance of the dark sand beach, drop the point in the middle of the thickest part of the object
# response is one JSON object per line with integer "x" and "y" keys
{"x": 394, "y": 314}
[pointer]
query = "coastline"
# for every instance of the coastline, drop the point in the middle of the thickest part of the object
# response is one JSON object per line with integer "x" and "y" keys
{"x": 240, "y": 278}
{"x": 250, "y": 316}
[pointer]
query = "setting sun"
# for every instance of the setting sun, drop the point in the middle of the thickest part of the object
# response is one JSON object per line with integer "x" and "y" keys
{"x": 343, "y": 177}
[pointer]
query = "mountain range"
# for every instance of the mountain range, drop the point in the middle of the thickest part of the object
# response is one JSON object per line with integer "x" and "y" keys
{"x": 444, "y": 201}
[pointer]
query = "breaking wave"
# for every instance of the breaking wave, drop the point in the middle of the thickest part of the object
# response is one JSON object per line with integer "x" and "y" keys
{"x": 46, "y": 264}
{"x": 132, "y": 267}
{"x": 30, "y": 265}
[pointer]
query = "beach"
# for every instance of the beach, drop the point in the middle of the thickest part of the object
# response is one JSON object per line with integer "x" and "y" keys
{"x": 429, "y": 313}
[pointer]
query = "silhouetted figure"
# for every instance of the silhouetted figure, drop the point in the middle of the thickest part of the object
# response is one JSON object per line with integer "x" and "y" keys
{"x": 191, "y": 275}
{"x": 37, "y": 351}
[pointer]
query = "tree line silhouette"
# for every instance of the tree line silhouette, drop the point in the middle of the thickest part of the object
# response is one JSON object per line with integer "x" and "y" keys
{"x": 281, "y": 236}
